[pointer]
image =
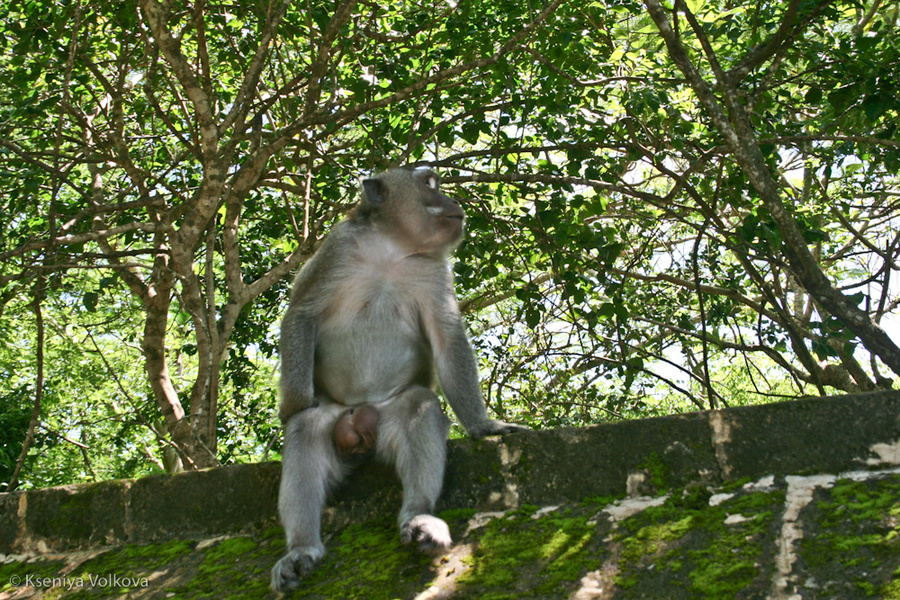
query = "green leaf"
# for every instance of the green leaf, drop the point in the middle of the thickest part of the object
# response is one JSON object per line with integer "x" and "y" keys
{"x": 90, "y": 300}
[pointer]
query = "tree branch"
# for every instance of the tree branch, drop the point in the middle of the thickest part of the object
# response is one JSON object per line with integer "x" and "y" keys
{"x": 739, "y": 136}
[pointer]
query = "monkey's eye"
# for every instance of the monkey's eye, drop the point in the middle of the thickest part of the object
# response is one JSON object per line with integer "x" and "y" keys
{"x": 431, "y": 182}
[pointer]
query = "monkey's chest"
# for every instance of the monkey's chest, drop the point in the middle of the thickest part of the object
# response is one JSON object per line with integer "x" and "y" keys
{"x": 379, "y": 300}
{"x": 373, "y": 345}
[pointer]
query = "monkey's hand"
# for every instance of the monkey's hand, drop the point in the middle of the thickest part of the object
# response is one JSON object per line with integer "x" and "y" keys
{"x": 494, "y": 428}
{"x": 430, "y": 533}
{"x": 294, "y": 566}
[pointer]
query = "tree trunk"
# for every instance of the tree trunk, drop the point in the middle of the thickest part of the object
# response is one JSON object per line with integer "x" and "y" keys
{"x": 153, "y": 345}
{"x": 33, "y": 422}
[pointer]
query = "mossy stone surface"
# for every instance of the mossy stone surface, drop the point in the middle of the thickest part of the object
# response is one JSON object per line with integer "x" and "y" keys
{"x": 854, "y": 551}
{"x": 695, "y": 542}
{"x": 785, "y": 501}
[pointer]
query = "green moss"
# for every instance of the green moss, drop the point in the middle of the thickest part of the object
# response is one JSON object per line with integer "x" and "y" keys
{"x": 692, "y": 498}
{"x": 685, "y": 544}
{"x": 654, "y": 537}
{"x": 129, "y": 565}
{"x": 554, "y": 549}
{"x": 373, "y": 565}
{"x": 229, "y": 569}
{"x": 733, "y": 486}
{"x": 14, "y": 574}
{"x": 599, "y": 500}
{"x": 891, "y": 590}
{"x": 229, "y": 566}
{"x": 459, "y": 514}
{"x": 133, "y": 560}
{"x": 232, "y": 547}
{"x": 859, "y": 537}
{"x": 658, "y": 471}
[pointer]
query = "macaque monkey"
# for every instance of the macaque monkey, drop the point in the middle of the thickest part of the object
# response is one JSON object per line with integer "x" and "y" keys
{"x": 373, "y": 316}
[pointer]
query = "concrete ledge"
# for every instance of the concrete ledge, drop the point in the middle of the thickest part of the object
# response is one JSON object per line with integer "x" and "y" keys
{"x": 807, "y": 436}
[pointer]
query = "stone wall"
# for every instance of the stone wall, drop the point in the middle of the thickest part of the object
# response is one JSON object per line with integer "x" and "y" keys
{"x": 632, "y": 458}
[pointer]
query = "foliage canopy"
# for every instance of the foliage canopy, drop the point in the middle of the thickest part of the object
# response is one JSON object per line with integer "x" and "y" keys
{"x": 671, "y": 206}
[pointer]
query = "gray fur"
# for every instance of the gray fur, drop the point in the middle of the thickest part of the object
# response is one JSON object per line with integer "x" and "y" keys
{"x": 373, "y": 315}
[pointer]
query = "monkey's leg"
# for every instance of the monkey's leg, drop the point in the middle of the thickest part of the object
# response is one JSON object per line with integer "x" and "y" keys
{"x": 309, "y": 467}
{"x": 412, "y": 434}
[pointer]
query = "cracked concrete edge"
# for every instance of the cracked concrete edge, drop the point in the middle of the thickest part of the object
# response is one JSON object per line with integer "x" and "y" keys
{"x": 721, "y": 436}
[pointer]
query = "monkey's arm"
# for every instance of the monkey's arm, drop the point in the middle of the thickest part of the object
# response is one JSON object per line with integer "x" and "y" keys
{"x": 309, "y": 295}
{"x": 298, "y": 339}
{"x": 458, "y": 376}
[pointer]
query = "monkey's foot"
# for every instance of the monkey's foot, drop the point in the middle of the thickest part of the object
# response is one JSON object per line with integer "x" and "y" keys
{"x": 429, "y": 532}
{"x": 294, "y": 566}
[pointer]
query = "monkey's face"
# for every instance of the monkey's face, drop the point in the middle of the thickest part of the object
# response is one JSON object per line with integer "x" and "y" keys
{"x": 409, "y": 206}
{"x": 445, "y": 215}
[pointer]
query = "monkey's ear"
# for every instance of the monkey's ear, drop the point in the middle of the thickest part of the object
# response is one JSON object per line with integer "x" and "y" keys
{"x": 374, "y": 191}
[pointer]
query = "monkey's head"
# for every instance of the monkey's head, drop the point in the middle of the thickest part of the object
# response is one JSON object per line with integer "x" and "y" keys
{"x": 407, "y": 205}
